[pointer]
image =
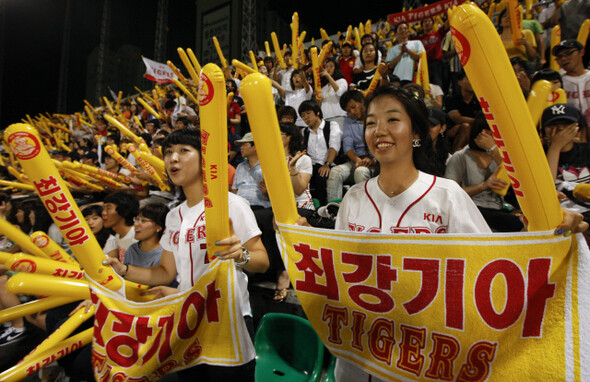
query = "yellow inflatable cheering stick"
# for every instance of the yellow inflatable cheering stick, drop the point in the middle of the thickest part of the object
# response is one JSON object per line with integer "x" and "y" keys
{"x": 295, "y": 40}
{"x": 51, "y": 248}
{"x": 123, "y": 129}
{"x": 112, "y": 151}
{"x": 187, "y": 64}
{"x": 253, "y": 60}
{"x": 555, "y": 40}
{"x": 174, "y": 69}
{"x": 220, "y": 53}
{"x": 257, "y": 93}
{"x": 242, "y": 66}
{"x": 583, "y": 32}
{"x": 515, "y": 22}
{"x": 278, "y": 52}
{"x": 317, "y": 84}
{"x": 213, "y": 108}
{"x": 324, "y": 53}
{"x": 149, "y": 108}
{"x": 194, "y": 60}
{"x": 147, "y": 167}
{"x": 537, "y": 100}
{"x": 24, "y": 142}
{"x": 422, "y": 75}
{"x": 487, "y": 66}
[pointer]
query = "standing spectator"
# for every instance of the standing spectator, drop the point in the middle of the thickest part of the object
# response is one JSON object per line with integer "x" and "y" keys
{"x": 402, "y": 57}
{"x": 362, "y": 80}
{"x": 301, "y": 92}
{"x": 346, "y": 61}
{"x": 432, "y": 41}
{"x": 323, "y": 141}
{"x": 576, "y": 80}
{"x": 333, "y": 86}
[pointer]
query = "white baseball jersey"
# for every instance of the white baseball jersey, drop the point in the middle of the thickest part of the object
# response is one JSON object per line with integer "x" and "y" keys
{"x": 430, "y": 205}
{"x": 185, "y": 237}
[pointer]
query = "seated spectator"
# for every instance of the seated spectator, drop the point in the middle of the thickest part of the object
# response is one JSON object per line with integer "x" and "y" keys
{"x": 104, "y": 236}
{"x": 322, "y": 141}
{"x": 287, "y": 114}
{"x": 568, "y": 158}
{"x": 440, "y": 144}
{"x": 461, "y": 108}
{"x": 519, "y": 65}
{"x": 475, "y": 168}
{"x": 149, "y": 227}
{"x": 248, "y": 175}
{"x": 359, "y": 165}
{"x": 118, "y": 212}
{"x": 333, "y": 86}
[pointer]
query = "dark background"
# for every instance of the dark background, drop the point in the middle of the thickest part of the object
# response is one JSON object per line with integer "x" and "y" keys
{"x": 31, "y": 35}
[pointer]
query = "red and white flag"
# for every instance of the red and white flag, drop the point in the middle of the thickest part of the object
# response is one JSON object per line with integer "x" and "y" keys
{"x": 158, "y": 72}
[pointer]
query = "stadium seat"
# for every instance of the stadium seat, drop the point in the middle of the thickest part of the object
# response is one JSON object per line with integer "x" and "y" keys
{"x": 288, "y": 349}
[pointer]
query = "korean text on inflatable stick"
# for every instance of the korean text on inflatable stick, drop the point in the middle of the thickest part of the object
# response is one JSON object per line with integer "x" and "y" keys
{"x": 213, "y": 109}
{"x": 317, "y": 84}
{"x": 257, "y": 93}
{"x": 53, "y": 192}
{"x": 494, "y": 82}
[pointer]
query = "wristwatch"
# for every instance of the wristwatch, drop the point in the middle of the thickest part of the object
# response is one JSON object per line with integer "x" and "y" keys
{"x": 490, "y": 151}
{"x": 328, "y": 164}
{"x": 245, "y": 257}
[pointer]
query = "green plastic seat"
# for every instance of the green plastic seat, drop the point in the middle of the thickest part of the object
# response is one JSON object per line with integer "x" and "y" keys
{"x": 287, "y": 349}
{"x": 329, "y": 376}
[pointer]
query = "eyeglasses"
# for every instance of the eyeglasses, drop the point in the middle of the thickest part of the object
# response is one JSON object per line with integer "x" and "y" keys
{"x": 141, "y": 220}
{"x": 566, "y": 54}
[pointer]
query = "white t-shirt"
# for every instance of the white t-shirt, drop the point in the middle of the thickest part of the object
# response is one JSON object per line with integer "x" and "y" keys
{"x": 125, "y": 242}
{"x": 110, "y": 245}
{"x": 294, "y": 98}
{"x": 577, "y": 90}
{"x": 405, "y": 66}
{"x": 331, "y": 99}
{"x": 430, "y": 205}
{"x": 304, "y": 166}
{"x": 185, "y": 237}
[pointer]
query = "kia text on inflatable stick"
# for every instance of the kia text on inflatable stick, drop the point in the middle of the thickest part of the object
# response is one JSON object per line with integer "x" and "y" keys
{"x": 34, "y": 159}
{"x": 213, "y": 110}
{"x": 257, "y": 93}
{"x": 486, "y": 63}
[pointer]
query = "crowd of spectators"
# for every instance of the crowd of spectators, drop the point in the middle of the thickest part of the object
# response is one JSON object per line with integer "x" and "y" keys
{"x": 324, "y": 142}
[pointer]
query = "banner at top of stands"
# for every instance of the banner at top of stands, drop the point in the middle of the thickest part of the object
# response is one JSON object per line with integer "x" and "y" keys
{"x": 422, "y": 13}
{"x": 158, "y": 72}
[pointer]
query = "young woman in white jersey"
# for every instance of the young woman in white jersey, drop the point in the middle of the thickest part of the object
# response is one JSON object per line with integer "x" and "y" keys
{"x": 403, "y": 199}
{"x": 184, "y": 249}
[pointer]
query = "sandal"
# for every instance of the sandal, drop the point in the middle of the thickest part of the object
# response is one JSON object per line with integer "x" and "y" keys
{"x": 280, "y": 295}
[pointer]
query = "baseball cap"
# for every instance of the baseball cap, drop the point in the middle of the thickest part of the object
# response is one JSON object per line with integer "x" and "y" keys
{"x": 436, "y": 116}
{"x": 566, "y": 44}
{"x": 347, "y": 42}
{"x": 246, "y": 138}
{"x": 559, "y": 111}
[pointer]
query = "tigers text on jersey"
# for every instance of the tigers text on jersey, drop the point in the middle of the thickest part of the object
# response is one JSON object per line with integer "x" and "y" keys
{"x": 185, "y": 237}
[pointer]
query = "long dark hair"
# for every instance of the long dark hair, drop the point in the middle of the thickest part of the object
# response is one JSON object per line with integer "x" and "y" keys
{"x": 422, "y": 156}
{"x": 337, "y": 71}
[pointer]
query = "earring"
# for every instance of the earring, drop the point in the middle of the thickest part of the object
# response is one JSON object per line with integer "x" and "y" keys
{"x": 416, "y": 142}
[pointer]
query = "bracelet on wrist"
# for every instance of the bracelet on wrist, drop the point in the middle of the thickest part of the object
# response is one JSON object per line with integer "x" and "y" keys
{"x": 126, "y": 270}
{"x": 297, "y": 173}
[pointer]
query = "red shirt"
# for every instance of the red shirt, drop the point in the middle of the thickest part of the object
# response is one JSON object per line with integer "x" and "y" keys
{"x": 232, "y": 110}
{"x": 433, "y": 44}
{"x": 346, "y": 65}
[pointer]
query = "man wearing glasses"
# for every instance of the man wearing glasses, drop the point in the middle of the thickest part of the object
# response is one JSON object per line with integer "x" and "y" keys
{"x": 576, "y": 80}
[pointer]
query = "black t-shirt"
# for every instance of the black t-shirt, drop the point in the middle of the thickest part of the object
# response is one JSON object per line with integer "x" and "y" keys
{"x": 455, "y": 102}
{"x": 574, "y": 165}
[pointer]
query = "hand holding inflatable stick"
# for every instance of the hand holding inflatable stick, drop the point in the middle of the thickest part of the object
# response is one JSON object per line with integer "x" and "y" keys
{"x": 257, "y": 93}
{"x": 487, "y": 66}
{"x": 212, "y": 104}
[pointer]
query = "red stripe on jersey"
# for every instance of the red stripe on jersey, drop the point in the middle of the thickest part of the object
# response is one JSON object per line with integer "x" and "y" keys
{"x": 190, "y": 247}
{"x": 374, "y": 205}
{"x": 179, "y": 214}
{"x": 416, "y": 201}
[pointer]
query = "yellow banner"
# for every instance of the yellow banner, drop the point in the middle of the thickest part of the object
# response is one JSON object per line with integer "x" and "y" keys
{"x": 143, "y": 341}
{"x": 445, "y": 307}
